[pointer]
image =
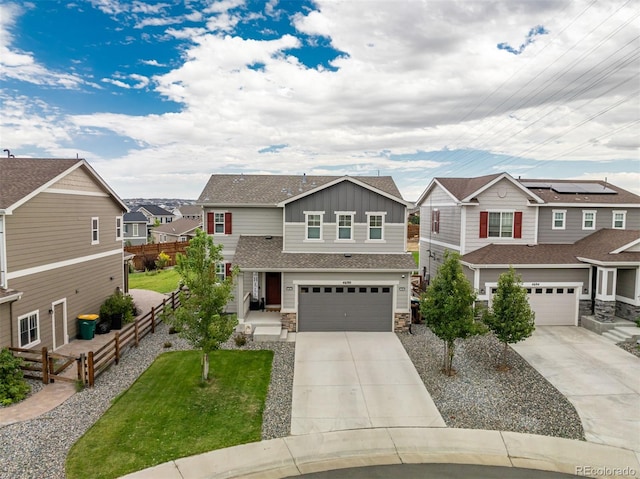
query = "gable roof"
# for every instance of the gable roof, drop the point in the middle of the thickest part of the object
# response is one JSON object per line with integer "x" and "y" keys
{"x": 189, "y": 210}
{"x": 178, "y": 227}
{"x": 466, "y": 189}
{"x": 134, "y": 217}
{"x": 598, "y": 247}
{"x": 271, "y": 190}
{"x": 621, "y": 196}
{"x": 23, "y": 178}
{"x": 155, "y": 210}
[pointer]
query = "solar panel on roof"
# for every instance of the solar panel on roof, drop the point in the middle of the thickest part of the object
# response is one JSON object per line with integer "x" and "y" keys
{"x": 536, "y": 184}
{"x": 582, "y": 188}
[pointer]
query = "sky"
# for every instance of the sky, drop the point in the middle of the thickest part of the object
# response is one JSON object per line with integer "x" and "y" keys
{"x": 157, "y": 96}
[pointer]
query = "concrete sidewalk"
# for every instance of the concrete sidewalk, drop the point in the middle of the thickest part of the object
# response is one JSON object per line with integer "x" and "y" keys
{"x": 354, "y": 380}
{"x": 297, "y": 455}
{"x": 600, "y": 379}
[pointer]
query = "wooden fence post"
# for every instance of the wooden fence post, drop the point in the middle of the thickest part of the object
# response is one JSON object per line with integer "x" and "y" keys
{"x": 90, "y": 368}
{"x": 135, "y": 328}
{"x": 45, "y": 366}
{"x": 80, "y": 365}
{"x": 173, "y": 300}
{"x": 117, "y": 339}
{"x": 51, "y": 369}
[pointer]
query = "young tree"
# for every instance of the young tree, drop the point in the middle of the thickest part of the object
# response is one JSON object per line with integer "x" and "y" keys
{"x": 447, "y": 307}
{"x": 200, "y": 319}
{"x": 510, "y": 317}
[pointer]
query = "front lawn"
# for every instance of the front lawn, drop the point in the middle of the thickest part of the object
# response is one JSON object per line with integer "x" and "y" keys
{"x": 162, "y": 281}
{"x": 168, "y": 413}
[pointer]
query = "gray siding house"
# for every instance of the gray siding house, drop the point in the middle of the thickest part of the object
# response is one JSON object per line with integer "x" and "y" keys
{"x": 574, "y": 243}
{"x": 155, "y": 214}
{"x": 70, "y": 264}
{"x": 325, "y": 253}
{"x": 135, "y": 228}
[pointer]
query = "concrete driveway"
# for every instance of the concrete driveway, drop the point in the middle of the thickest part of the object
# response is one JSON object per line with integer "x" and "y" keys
{"x": 601, "y": 380}
{"x": 357, "y": 380}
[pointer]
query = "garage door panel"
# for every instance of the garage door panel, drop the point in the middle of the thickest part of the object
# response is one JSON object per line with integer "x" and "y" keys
{"x": 553, "y": 305}
{"x": 359, "y": 308}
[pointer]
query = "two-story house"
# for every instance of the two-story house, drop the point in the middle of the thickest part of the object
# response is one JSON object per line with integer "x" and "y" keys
{"x": 61, "y": 252}
{"x": 190, "y": 212}
{"x": 135, "y": 228}
{"x": 180, "y": 230}
{"x": 156, "y": 215}
{"x": 328, "y": 253}
{"x": 576, "y": 244}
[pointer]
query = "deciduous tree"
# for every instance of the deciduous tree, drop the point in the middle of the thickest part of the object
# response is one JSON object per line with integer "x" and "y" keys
{"x": 200, "y": 319}
{"x": 448, "y": 307}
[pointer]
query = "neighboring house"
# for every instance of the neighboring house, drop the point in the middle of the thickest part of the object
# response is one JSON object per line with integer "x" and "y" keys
{"x": 576, "y": 244}
{"x": 61, "y": 254}
{"x": 190, "y": 212}
{"x": 155, "y": 215}
{"x": 135, "y": 228}
{"x": 178, "y": 230}
{"x": 328, "y": 253}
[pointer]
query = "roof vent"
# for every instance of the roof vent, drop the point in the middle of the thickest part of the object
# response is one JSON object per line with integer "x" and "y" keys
{"x": 268, "y": 237}
{"x": 347, "y": 255}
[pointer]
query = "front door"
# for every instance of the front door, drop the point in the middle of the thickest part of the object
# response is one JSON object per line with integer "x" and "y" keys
{"x": 273, "y": 288}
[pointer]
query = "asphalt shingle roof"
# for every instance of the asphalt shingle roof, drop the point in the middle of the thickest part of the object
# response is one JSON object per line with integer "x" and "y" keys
{"x": 273, "y": 189}
{"x": 463, "y": 187}
{"x": 21, "y": 176}
{"x": 265, "y": 252}
{"x": 550, "y": 196}
{"x": 135, "y": 217}
{"x": 597, "y": 246}
{"x": 178, "y": 227}
{"x": 155, "y": 210}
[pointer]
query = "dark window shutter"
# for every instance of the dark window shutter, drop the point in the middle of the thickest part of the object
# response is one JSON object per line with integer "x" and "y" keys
{"x": 210, "y": 225}
{"x": 517, "y": 224}
{"x": 484, "y": 224}
{"x": 227, "y": 223}
{"x": 227, "y": 270}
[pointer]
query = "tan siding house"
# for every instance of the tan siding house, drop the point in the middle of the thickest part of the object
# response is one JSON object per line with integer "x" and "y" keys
{"x": 61, "y": 246}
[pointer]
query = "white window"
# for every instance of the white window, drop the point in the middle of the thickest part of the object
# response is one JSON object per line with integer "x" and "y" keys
{"x": 588, "y": 219}
{"x": 95, "y": 232}
{"x": 29, "y": 329}
{"x": 375, "y": 224}
{"x": 220, "y": 271}
{"x": 313, "y": 220}
{"x": 619, "y": 220}
{"x": 135, "y": 229}
{"x": 218, "y": 222}
{"x": 118, "y": 228}
{"x": 559, "y": 219}
{"x": 345, "y": 225}
{"x": 500, "y": 224}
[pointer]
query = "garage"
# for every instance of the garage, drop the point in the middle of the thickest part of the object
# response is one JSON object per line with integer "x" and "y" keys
{"x": 553, "y": 305}
{"x": 345, "y": 308}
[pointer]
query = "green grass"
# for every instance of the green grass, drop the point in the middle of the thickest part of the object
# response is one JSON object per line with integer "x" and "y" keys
{"x": 164, "y": 281}
{"x": 169, "y": 413}
{"x": 416, "y": 257}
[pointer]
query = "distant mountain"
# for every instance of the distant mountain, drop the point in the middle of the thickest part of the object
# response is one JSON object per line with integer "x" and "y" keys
{"x": 168, "y": 204}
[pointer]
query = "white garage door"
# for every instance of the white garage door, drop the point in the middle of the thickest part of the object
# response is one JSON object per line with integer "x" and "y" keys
{"x": 554, "y": 305}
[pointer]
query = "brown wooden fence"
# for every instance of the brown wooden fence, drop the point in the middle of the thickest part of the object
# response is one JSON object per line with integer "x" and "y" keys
{"x": 49, "y": 366}
{"x": 149, "y": 252}
{"x": 413, "y": 231}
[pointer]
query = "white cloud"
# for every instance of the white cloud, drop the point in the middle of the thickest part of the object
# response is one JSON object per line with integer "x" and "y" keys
{"x": 414, "y": 77}
{"x": 153, "y": 63}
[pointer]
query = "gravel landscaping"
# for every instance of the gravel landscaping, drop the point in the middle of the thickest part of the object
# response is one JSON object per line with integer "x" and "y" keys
{"x": 38, "y": 448}
{"x": 480, "y": 396}
{"x": 630, "y": 347}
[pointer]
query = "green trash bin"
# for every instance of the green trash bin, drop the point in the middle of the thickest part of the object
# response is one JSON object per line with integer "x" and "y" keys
{"x": 87, "y": 325}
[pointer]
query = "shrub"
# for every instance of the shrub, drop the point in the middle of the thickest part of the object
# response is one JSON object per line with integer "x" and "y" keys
{"x": 167, "y": 344}
{"x": 118, "y": 304}
{"x": 162, "y": 260}
{"x": 13, "y": 387}
{"x": 148, "y": 262}
{"x": 240, "y": 339}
